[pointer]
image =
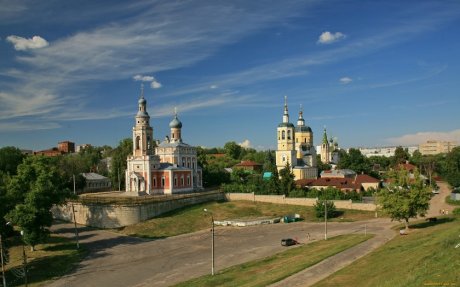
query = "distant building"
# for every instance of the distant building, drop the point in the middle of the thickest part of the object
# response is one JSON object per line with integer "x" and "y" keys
{"x": 249, "y": 165}
{"x": 384, "y": 151}
{"x": 356, "y": 183}
{"x": 27, "y": 151}
{"x": 81, "y": 147}
{"x": 66, "y": 147}
{"x": 432, "y": 147}
{"x": 338, "y": 173}
{"x": 49, "y": 152}
{"x": 96, "y": 182}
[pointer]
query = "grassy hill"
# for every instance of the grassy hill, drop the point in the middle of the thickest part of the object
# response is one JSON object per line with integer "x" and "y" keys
{"x": 426, "y": 257}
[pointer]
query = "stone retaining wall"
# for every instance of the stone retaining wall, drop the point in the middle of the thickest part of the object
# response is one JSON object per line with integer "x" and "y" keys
{"x": 281, "y": 199}
{"x": 118, "y": 215}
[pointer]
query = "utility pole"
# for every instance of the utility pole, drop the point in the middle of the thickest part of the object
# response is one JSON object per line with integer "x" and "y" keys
{"x": 3, "y": 263}
{"x": 73, "y": 212}
{"x": 325, "y": 219}
{"x": 119, "y": 179}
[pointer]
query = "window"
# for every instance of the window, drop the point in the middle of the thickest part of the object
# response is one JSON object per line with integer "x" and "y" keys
{"x": 175, "y": 180}
{"x": 162, "y": 181}
{"x": 279, "y": 136}
{"x": 188, "y": 179}
{"x": 283, "y": 135}
{"x": 155, "y": 182}
{"x": 289, "y": 135}
{"x": 296, "y": 140}
{"x": 182, "y": 180}
{"x": 138, "y": 140}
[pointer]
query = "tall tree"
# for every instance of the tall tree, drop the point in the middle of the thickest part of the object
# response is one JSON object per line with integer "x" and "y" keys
{"x": 33, "y": 191}
{"x": 10, "y": 158}
{"x": 354, "y": 160}
{"x": 286, "y": 180}
{"x": 119, "y": 164}
{"x": 401, "y": 155}
{"x": 232, "y": 149}
{"x": 405, "y": 197}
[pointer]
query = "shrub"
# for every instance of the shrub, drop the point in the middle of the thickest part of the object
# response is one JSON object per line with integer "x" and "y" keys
{"x": 319, "y": 209}
{"x": 456, "y": 211}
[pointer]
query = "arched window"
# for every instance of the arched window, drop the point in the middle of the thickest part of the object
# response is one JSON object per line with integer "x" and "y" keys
{"x": 155, "y": 182}
{"x": 279, "y": 136}
{"x": 175, "y": 180}
{"x": 182, "y": 180}
{"x": 305, "y": 140}
{"x": 289, "y": 134}
{"x": 162, "y": 181}
{"x": 138, "y": 140}
{"x": 283, "y": 135}
{"x": 148, "y": 143}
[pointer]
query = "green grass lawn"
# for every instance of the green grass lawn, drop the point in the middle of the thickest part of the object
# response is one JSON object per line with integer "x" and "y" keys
{"x": 193, "y": 218}
{"x": 274, "y": 268}
{"x": 49, "y": 261}
{"x": 425, "y": 257}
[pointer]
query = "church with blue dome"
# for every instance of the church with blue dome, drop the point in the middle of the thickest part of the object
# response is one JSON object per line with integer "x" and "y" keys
{"x": 169, "y": 167}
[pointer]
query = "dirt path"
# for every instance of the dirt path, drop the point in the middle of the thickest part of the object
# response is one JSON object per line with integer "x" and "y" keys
{"x": 438, "y": 203}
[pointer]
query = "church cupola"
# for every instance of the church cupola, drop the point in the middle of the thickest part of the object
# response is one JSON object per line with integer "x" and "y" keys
{"x": 142, "y": 131}
{"x": 176, "y": 126}
{"x": 301, "y": 121}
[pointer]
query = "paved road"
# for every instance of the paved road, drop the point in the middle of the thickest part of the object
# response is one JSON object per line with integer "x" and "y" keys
{"x": 117, "y": 260}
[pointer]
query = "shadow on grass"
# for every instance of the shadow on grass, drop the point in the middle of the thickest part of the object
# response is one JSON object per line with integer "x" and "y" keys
{"x": 46, "y": 268}
{"x": 420, "y": 225}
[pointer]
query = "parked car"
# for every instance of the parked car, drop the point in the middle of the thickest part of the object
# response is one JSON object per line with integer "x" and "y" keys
{"x": 288, "y": 242}
{"x": 435, "y": 191}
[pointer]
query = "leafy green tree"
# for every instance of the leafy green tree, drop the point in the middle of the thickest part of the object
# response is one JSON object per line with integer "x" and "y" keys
{"x": 269, "y": 161}
{"x": 119, "y": 164}
{"x": 233, "y": 150}
{"x": 10, "y": 158}
{"x": 355, "y": 161}
{"x": 286, "y": 180}
{"x": 405, "y": 197}
{"x": 401, "y": 155}
{"x": 273, "y": 186}
{"x": 33, "y": 191}
{"x": 322, "y": 166}
{"x": 319, "y": 208}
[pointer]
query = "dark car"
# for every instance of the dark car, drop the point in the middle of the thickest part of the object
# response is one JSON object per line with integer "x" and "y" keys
{"x": 288, "y": 242}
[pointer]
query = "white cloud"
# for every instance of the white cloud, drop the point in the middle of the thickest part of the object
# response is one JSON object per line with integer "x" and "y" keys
{"x": 328, "y": 37}
{"x": 421, "y": 137}
{"x": 245, "y": 144}
{"x": 213, "y": 87}
{"x": 154, "y": 84}
{"x": 143, "y": 78}
{"x": 22, "y": 44}
{"x": 346, "y": 80}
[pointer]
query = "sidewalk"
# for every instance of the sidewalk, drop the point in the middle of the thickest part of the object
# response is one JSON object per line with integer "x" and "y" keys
{"x": 317, "y": 272}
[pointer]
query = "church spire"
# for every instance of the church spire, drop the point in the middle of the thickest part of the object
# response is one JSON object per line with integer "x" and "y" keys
{"x": 325, "y": 141}
{"x": 285, "y": 114}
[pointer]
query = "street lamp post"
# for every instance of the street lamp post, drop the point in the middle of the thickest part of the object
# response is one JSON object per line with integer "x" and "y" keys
{"x": 212, "y": 241}
{"x": 24, "y": 259}
{"x": 74, "y": 219}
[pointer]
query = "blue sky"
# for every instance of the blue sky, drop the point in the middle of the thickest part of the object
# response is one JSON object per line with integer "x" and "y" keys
{"x": 375, "y": 73}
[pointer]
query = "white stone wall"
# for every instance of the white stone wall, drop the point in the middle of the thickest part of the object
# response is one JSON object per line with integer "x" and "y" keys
{"x": 281, "y": 199}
